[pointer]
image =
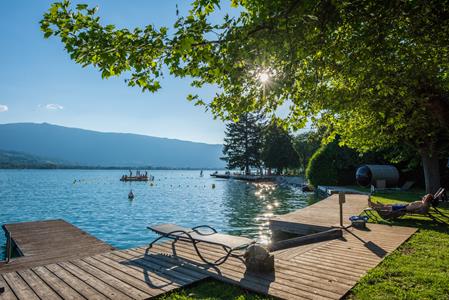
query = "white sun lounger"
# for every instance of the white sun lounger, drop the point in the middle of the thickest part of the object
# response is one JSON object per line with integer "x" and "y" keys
{"x": 232, "y": 245}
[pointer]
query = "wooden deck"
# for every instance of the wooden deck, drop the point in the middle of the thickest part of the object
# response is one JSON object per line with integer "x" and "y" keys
{"x": 326, "y": 270}
{"x": 44, "y": 242}
{"x": 320, "y": 216}
{"x": 62, "y": 262}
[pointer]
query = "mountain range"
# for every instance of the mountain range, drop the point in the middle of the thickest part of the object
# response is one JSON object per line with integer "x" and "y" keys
{"x": 72, "y": 146}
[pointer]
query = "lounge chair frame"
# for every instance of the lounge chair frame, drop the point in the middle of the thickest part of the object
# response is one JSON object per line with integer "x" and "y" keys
{"x": 187, "y": 237}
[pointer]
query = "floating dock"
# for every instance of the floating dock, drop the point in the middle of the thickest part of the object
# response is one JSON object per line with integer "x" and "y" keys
{"x": 323, "y": 270}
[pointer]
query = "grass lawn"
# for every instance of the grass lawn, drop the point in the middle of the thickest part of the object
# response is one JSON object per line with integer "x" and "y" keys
{"x": 211, "y": 289}
{"x": 419, "y": 269}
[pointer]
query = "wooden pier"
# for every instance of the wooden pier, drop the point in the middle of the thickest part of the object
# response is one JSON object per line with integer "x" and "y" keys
{"x": 323, "y": 270}
{"x": 44, "y": 242}
{"x": 320, "y": 216}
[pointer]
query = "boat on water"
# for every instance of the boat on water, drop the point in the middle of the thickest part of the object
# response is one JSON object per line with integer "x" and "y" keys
{"x": 134, "y": 178}
{"x": 138, "y": 177}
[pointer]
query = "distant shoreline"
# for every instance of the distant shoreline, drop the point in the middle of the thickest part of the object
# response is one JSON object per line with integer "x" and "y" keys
{"x": 126, "y": 168}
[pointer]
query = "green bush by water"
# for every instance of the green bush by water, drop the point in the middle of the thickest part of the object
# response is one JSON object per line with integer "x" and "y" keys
{"x": 333, "y": 165}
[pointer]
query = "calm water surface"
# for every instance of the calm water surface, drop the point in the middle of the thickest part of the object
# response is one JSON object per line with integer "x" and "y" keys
{"x": 97, "y": 202}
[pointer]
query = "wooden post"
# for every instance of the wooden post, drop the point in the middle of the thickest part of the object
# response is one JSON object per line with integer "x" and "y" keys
{"x": 341, "y": 200}
{"x": 8, "y": 247}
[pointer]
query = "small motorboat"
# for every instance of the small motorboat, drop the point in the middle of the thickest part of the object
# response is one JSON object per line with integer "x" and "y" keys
{"x": 130, "y": 195}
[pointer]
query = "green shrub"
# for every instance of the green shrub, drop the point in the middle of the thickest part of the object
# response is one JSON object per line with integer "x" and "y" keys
{"x": 333, "y": 165}
{"x": 320, "y": 170}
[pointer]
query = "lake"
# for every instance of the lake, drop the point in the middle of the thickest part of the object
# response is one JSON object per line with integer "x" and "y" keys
{"x": 98, "y": 202}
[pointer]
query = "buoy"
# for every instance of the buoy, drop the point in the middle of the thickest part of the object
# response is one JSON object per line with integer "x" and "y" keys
{"x": 213, "y": 185}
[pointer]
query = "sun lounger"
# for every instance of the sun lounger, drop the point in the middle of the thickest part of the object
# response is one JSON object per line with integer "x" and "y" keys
{"x": 395, "y": 211}
{"x": 232, "y": 245}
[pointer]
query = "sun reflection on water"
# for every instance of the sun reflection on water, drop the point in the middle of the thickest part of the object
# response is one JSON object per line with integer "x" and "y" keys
{"x": 272, "y": 202}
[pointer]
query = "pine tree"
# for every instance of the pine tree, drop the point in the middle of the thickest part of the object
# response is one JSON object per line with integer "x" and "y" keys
{"x": 243, "y": 143}
{"x": 278, "y": 151}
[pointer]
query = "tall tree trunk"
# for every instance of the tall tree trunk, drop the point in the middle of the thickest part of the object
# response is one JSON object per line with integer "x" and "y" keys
{"x": 431, "y": 169}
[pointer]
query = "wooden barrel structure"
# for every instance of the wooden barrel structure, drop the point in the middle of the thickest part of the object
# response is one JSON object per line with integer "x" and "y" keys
{"x": 368, "y": 175}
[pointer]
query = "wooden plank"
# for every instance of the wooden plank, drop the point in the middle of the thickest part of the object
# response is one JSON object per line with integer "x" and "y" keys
{"x": 289, "y": 253}
{"x": 154, "y": 279}
{"x": 321, "y": 269}
{"x": 112, "y": 278}
{"x": 7, "y": 294}
{"x": 98, "y": 283}
{"x": 257, "y": 282}
{"x": 41, "y": 289}
{"x": 141, "y": 288}
{"x": 59, "y": 286}
{"x": 171, "y": 275}
{"x": 317, "y": 272}
{"x": 76, "y": 284}
{"x": 368, "y": 257}
{"x": 331, "y": 264}
{"x": 19, "y": 287}
{"x": 163, "y": 265}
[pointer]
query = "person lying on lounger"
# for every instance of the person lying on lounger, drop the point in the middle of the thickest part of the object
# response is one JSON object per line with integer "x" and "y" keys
{"x": 422, "y": 207}
{"x": 417, "y": 207}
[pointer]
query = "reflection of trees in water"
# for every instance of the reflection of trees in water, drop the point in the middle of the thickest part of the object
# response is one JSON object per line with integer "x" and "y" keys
{"x": 248, "y": 206}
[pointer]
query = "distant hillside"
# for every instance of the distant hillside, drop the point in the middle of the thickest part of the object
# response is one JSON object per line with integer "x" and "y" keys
{"x": 13, "y": 159}
{"x": 74, "y": 146}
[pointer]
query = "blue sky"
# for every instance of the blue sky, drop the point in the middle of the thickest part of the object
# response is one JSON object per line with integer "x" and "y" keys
{"x": 39, "y": 82}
